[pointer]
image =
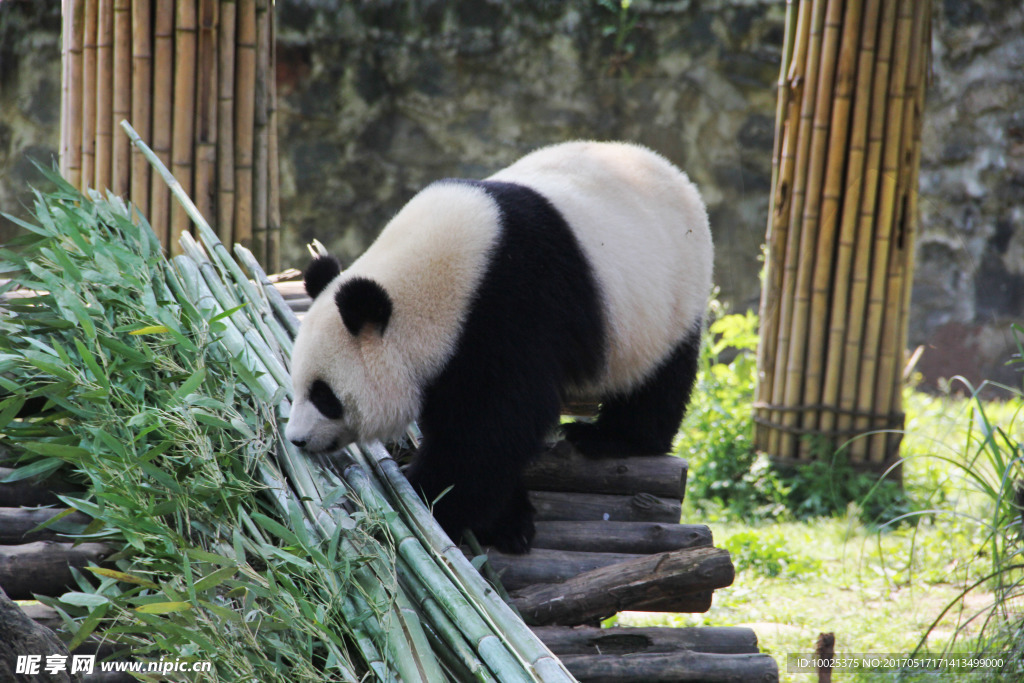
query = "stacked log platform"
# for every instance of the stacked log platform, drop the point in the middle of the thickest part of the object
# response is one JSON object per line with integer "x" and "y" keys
{"x": 608, "y": 540}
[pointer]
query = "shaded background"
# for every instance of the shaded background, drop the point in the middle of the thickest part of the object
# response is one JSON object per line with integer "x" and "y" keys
{"x": 377, "y": 99}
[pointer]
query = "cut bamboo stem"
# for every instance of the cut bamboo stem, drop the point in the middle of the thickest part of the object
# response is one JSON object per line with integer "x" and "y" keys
{"x": 142, "y": 84}
{"x": 90, "y": 26}
{"x": 104, "y": 91}
{"x": 858, "y": 361}
{"x": 163, "y": 122}
{"x": 803, "y": 372}
{"x": 828, "y": 288}
{"x": 72, "y": 163}
{"x": 836, "y": 385}
{"x": 769, "y": 309}
{"x": 120, "y": 172}
{"x": 261, "y": 132}
{"x": 782, "y": 200}
{"x": 225, "y": 123}
{"x": 245, "y": 84}
{"x": 183, "y": 131}
{"x": 791, "y": 349}
{"x": 206, "y": 110}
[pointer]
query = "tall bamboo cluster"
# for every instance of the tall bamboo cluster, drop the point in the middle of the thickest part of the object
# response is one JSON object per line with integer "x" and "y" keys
{"x": 197, "y": 78}
{"x": 841, "y": 228}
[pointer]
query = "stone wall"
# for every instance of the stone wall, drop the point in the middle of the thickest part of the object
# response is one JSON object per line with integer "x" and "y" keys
{"x": 378, "y": 98}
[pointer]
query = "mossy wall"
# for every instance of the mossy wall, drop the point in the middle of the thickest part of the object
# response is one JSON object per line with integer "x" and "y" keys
{"x": 378, "y": 98}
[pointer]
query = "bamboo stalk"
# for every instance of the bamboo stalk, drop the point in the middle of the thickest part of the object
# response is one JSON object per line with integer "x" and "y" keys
{"x": 142, "y": 92}
{"x": 830, "y": 270}
{"x": 261, "y": 133}
{"x": 206, "y": 110}
{"x": 120, "y": 174}
{"x": 66, "y": 11}
{"x": 901, "y": 272}
{"x": 782, "y": 201}
{"x": 72, "y": 162}
{"x": 877, "y": 346}
{"x": 857, "y": 363}
{"x": 104, "y": 92}
{"x": 183, "y": 130}
{"x": 225, "y": 122}
{"x": 163, "y": 122}
{"x": 273, "y": 259}
{"x": 791, "y": 349}
{"x": 769, "y": 309}
{"x": 844, "y": 389}
{"x": 803, "y": 372}
{"x": 245, "y": 84}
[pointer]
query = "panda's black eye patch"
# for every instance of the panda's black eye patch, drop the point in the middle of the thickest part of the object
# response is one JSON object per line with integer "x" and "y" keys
{"x": 323, "y": 398}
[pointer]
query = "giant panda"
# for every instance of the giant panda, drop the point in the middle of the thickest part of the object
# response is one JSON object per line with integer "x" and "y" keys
{"x": 582, "y": 270}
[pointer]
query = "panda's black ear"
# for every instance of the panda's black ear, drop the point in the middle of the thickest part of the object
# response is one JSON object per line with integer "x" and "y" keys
{"x": 363, "y": 302}
{"x": 319, "y": 274}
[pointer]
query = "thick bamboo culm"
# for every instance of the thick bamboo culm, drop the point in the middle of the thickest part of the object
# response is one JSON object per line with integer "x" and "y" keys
{"x": 196, "y": 78}
{"x": 841, "y": 229}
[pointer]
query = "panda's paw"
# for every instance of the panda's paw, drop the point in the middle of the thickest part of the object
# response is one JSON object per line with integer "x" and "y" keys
{"x": 514, "y": 538}
{"x": 588, "y": 439}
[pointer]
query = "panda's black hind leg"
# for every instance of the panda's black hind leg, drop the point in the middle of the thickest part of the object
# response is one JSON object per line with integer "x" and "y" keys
{"x": 645, "y": 421}
{"x": 513, "y": 530}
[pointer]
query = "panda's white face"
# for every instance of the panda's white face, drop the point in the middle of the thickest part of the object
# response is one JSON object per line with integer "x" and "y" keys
{"x": 347, "y": 386}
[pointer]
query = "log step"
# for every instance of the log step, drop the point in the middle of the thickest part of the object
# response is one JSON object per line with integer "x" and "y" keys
{"x": 562, "y": 468}
{"x": 672, "y": 668}
{"x": 640, "y": 538}
{"x": 555, "y": 506}
{"x": 647, "y": 583}
{"x": 30, "y": 493}
{"x": 44, "y": 567}
{"x": 589, "y": 640}
{"x": 17, "y": 524}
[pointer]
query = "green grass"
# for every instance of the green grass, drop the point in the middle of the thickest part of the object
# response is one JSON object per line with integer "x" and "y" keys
{"x": 878, "y": 587}
{"x": 933, "y": 566}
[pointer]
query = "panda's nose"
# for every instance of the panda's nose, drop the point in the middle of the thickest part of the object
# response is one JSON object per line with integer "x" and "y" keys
{"x": 299, "y": 443}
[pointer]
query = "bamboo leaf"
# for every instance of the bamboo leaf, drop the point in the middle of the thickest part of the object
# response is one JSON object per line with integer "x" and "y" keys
{"x": 123, "y": 576}
{"x": 163, "y": 607}
{"x": 39, "y": 468}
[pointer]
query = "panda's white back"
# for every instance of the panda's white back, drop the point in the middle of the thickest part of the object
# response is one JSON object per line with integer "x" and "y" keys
{"x": 643, "y": 227}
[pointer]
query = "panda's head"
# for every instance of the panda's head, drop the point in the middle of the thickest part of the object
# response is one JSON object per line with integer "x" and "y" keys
{"x": 346, "y": 381}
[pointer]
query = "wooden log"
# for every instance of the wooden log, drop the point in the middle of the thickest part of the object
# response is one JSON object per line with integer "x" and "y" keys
{"x": 640, "y": 538}
{"x": 44, "y": 615}
{"x": 543, "y": 565}
{"x": 672, "y": 667}
{"x": 20, "y": 636}
{"x": 44, "y": 567}
{"x": 562, "y": 468}
{"x": 17, "y": 522}
{"x": 643, "y": 507}
{"x": 643, "y": 583}
{"x": 30, "y": 493}
{"x": 590, "y": 640}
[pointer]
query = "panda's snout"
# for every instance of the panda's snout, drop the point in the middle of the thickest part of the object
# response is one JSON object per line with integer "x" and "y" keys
{"x": 299, "y": 443}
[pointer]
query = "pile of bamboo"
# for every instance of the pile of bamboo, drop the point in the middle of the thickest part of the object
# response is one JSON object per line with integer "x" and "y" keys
{"x": 841, "y": 229}
{"x": 197, "y": 78}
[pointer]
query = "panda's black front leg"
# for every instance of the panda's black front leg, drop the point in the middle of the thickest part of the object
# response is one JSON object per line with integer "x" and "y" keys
{"x": 467, "y": 494}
